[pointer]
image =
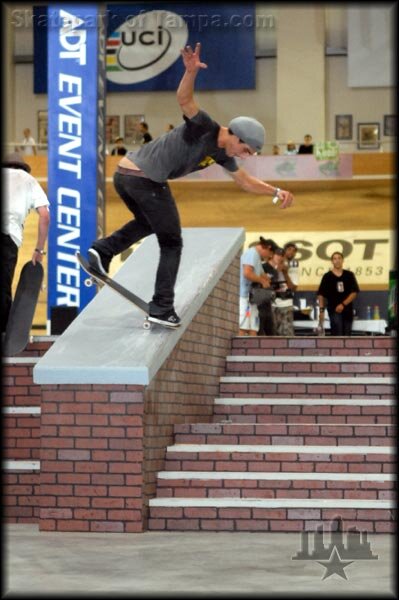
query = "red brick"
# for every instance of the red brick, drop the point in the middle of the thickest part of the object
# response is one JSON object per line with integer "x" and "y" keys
{"x": 252, "y": 525}
{"x": 217, "y": 525}
{"x": 167, "y": 512}
{"x": 74, "y": 455}
{"x": 286, "y": 525}
{"x": 71, "y": 501}
{"x": 89, "y": 514}
{"x": 124, "y": 515}
{"x": 156, "y": 524}
{"x": 183, "y": 525}
{"x": 72, "y": 525}
{"x": 90, "y": 490}
{"x": 55, "y": 513}
{"x": 200, "y": 512}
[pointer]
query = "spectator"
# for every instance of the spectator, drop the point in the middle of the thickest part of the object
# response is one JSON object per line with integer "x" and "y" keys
{"x": 28, "y": 144}
{"x": 307, "y": 146}
{"x": 119, "y": 149}
{"x": 290, "y": 266}
{"x": 22, "y": 193}
{"x": 147, "y": 137}
{"x": 251, "y": 272}
{"x": 283, "y": 305}
{"x": 338, "y": 289}
{"x": 266, "y": 317}
{"x": 291, "y": 148}
{"x": 275, "y": 150}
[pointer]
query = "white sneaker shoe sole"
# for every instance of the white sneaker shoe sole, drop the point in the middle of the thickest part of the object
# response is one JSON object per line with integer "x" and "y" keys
{"x": 163, "y": 322}
{"x": 98, "y": 264}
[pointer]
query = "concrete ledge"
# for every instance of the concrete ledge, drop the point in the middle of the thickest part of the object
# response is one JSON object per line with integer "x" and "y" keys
{"x": 106, "y": 343}
{"x": 319, "y": 503}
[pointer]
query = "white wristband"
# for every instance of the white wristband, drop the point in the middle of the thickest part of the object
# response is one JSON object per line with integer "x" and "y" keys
{"x": 275, "y": 197}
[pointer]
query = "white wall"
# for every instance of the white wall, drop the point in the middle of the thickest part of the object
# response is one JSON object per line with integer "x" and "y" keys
{"x": 160, "y": 108}
{"x": 365, "y": 104}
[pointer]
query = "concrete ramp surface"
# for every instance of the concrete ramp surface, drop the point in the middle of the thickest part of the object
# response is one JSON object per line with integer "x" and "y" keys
{"x": 107, "y": 344}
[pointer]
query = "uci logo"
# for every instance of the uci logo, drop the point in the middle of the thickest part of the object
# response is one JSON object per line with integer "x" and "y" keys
{"x": 145, "y": 46}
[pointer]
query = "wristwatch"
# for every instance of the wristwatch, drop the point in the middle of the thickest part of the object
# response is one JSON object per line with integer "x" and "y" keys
{"x": 276, "y": 193}
{"x": 42, "y": 252}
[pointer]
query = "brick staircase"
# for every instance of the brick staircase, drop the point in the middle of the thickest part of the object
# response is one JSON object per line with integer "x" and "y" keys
{"x": 303, "y": 432}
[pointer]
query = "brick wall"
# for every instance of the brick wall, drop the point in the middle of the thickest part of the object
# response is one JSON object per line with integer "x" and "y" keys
{"x": 102, "y": 445}
{"x": 21, "y": 442}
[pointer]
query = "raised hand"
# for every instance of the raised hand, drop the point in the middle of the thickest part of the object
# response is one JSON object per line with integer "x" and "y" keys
{"x": 191, "y": 58}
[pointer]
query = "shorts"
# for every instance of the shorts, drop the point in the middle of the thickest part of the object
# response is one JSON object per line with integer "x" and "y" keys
{"x": 249, "y": 315}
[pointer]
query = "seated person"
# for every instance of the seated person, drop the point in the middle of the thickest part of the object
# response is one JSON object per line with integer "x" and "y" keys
{"x": 291, "y": 148}
{"x": 307, "y": 146}
{"x": 119, "y": 148}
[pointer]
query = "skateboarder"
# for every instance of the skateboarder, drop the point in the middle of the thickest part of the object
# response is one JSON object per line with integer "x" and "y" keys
{"x": 21, "y": 194}
{"x": 141, "y": 181}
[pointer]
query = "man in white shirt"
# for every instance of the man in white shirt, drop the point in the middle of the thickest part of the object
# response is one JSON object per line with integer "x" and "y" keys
{"x": 22, "y": 193}
{"x": 251, "y": 271}
{"x": 28, "y": 144}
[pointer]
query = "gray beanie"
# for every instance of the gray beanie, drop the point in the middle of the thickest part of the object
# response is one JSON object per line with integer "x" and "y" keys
{"x": 16, "y": 161}
{"x": 249, "y": 130}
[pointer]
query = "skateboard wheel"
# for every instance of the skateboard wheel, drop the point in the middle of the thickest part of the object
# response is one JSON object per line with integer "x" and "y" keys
{"x": 88, "y": 282}
{"x": 147, "y": 325}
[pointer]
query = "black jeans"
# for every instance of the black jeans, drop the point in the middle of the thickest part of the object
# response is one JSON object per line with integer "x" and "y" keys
{"x": 266, "y": 319}
{"x": 9, "y": 260}
{"x": 155, "y": 211}
{"x": 340, "y": 323}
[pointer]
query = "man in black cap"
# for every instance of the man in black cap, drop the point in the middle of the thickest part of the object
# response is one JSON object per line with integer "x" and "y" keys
{"x": 22, "y": 193}
{"x": 141, "y": 181}
{"x": 255, "y": 319}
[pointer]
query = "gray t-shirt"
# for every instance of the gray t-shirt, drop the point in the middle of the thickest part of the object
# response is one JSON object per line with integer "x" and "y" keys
{"x": 189, "y": 147}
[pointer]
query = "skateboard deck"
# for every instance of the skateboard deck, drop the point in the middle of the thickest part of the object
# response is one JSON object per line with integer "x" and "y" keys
{"x": 100, "y": 279}
{"x": 23, "y": 309}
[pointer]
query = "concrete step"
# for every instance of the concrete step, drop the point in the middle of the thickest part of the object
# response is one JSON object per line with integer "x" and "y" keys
{"x": 314, "y": 346}
{"x": 286, "y": 433}
{"x": 266, "y": 386}
{"x": 303, "y": 366}
{"x": 359, "y": 411}
{"x": 236, "y": 484}
{"x": 277, "y": 514}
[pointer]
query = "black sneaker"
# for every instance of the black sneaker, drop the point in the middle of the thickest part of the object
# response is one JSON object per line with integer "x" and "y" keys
{"x": 98, "y": 261}
{"x": 168, "y": 319}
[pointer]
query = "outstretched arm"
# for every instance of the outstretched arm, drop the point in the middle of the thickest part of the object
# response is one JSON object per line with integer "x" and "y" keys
{"x": 256, "y": 186}
{"x": 185, "y": 91}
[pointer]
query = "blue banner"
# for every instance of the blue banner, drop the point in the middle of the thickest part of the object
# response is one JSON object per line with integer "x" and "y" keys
{"x": 76, "y": 147}
{"x": 144, "y": 42}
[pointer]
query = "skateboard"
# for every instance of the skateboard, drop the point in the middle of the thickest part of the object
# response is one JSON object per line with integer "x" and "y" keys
{"x": 23, "y": 309}
{"x": 98, "y": 278}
